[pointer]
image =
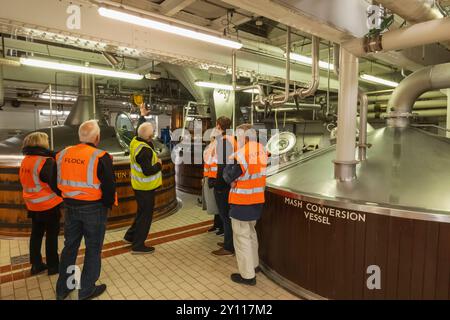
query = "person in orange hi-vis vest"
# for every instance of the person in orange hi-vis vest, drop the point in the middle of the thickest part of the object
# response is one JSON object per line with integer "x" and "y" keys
{"x": 248, "y": 182}
{"x": 225, "y": 147}
{"x": 85, "y": 176}
{"x": 209, "y": 167}
{"x": 40, "y": 194}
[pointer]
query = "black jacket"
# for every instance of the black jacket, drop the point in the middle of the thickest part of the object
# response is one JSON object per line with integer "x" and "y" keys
{"x": 48, "y": 172}
{"x": 105, "y": 173}
{"x": 224, "y": 150}
{"x": 144, "y": 159}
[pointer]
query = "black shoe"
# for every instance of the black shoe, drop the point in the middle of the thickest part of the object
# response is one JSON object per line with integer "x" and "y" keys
{"x": 64, "y": 296}
{"x": 220, "y": 232}
{"x": 37, "y": 269}
{"x": 53, "y": 271}
{"x": 98, "y": 291}
{"x": 258, "y": 269}
{"x": 143, "y": 250}
{"x": 213, "y": 229}
{"x": 236, "y": 277}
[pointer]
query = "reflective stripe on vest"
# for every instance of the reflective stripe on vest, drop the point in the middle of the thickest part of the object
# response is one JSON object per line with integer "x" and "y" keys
{"x": 36, "y": 180}
{"x": 43, "y": 199}
{"x": 40, "y": 197}
{"x": 90, "y": 172}
{"x": 139, "y": 180}
{"x": 249, "y": 188}
{"x": 247, "y": 191}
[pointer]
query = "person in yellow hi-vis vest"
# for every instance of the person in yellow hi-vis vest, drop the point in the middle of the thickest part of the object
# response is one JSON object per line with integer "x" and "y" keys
{"x": 146, "y": 177}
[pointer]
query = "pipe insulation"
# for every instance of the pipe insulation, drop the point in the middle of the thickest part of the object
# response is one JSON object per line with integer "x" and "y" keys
{"x": 412, "y": 87}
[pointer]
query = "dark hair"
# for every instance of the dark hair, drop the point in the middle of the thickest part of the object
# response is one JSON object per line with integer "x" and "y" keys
{"x": 224, "y": 123}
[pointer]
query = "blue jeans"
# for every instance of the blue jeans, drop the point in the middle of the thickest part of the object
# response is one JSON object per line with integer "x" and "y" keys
{"x": 87, "y": 221}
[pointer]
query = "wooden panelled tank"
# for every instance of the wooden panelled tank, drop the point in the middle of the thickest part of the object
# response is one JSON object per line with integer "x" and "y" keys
{"x": 385, "y": 235}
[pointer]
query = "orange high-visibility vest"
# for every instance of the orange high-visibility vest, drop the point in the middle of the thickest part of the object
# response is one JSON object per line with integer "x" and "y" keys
{"x": 77, "y": 172}
{"x": 250, "y": 186}
{"x": 209, "y": 160}
{"x": 38, "y": 195}
{"x": 215, "y": 161}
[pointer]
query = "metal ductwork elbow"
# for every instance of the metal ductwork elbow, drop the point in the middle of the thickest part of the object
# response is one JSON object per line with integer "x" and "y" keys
{"x": 411, "y": 88}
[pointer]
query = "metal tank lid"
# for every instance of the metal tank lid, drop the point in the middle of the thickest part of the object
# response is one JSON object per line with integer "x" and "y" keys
{"x": 406, "y": 169}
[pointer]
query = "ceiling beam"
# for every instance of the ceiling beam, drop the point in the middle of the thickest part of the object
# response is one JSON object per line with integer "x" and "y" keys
{"x": 292, "y": 17}
{"x": 237, "y": 20}
{"x": 172, "y": 7}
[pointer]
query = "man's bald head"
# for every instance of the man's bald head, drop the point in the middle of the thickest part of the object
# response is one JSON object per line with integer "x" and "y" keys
{"x": 89, "y": 132}
{"x": 146, "y": 131}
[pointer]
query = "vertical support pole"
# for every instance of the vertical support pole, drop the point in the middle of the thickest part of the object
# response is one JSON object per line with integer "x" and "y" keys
{"x": 52, "y": 146}
{"x": 94, "y": 98}
{"x": 234, "y": 82}
{"x": 448, "y": 113}
{"x": 345, "y": 162}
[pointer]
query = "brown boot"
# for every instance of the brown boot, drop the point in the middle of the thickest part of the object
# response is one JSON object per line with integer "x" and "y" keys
{"x": 222, "y": 252}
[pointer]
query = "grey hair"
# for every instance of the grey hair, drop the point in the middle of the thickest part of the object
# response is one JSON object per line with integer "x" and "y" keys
{"x": 146, "y": 131}
{"x": 89, "y": 131}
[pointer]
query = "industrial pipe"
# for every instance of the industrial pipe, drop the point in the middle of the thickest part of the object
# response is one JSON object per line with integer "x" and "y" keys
{"x": 425, "y": 104}
{"x": 421, "y": 113}
{"x": 411, "y": 88}
{"x": 288, "y": 108}
{"x": 262, "y": 100}
{"x": 345, "y": 163}
{"x": 413, "y": 11}
{"x": 363, "y": 111}
{"x": 420, "y": 34}
{"x": 234, "y": 84}
{"x": 427, "y": 95}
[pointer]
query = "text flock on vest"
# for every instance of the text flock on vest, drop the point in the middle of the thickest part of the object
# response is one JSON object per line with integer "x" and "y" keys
{"x": 74, "y": 161}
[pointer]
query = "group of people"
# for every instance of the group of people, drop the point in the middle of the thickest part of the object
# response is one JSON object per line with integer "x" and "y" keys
{"x": 81, "y": 177}
{"x": 233, "y": 190}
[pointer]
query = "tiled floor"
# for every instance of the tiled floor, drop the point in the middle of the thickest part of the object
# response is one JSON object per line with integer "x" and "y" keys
{"x": 181, "y": 268}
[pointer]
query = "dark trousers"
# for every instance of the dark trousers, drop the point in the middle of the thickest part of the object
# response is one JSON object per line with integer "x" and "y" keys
{"x": 218, "y": 224}
{"x": 88, "y": 221}
{"x": 224, "y": 212}
{"x": 138, "y": 232}
{"x": 46, "y": 222}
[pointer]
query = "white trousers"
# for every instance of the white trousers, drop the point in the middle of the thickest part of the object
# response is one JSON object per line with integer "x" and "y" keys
{"x": 246, "y": 247}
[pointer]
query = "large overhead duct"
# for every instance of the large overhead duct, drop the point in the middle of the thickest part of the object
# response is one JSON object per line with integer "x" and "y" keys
{"x": 410, "y": 89}
{"x": 187, "y": 77}
{"x": 84, "y": 107}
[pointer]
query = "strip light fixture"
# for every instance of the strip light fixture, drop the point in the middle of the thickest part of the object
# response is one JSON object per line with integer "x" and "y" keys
{"x": 373, "y": 79}
{"x": 79, "y": 69}
{"x": 308, "y": 61}
{"x": 166, "y": 27}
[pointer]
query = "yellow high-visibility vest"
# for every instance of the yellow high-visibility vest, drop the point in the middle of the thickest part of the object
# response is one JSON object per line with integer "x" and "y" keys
{"x": 139, "y": 181}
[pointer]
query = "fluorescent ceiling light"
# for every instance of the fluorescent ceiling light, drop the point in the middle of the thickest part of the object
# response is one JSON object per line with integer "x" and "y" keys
{"x": 79, "y": 69}
{"x": 54, "y": 112}
{"x": 166, "y": 27}
{"x": 57, "y": 97}
{"x": 308, "y": 61}
{"x": 377, "y": 80}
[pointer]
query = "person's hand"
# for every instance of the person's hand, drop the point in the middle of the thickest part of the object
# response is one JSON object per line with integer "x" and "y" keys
{"x": 144, "y": 111}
